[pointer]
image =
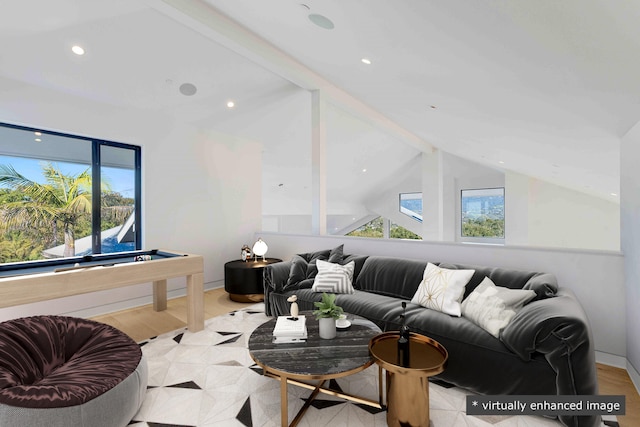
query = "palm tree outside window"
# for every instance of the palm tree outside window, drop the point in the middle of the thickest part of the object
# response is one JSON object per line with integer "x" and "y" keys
{"x": 54, "y": 203}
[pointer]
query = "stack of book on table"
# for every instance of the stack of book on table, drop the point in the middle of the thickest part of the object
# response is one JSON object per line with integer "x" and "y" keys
{"x": 289, "y": 330}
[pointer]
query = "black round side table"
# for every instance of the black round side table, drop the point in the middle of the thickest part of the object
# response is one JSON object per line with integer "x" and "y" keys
{"x": 243, "y": 279}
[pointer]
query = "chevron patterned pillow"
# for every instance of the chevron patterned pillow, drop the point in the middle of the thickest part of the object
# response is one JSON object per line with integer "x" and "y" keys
{"x": 334, "y": 278}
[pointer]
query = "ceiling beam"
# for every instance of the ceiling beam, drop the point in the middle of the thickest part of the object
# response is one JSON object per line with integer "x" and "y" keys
{"x": 211, "y": 23}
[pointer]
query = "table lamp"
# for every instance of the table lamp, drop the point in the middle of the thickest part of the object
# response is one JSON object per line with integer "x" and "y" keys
{"x": 260, "y": 249}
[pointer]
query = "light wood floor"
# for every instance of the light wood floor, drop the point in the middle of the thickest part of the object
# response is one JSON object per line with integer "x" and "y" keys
{"x": 143, "y": 323}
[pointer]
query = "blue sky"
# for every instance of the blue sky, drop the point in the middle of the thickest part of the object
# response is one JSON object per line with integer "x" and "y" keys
{"x": 120, "y": 180}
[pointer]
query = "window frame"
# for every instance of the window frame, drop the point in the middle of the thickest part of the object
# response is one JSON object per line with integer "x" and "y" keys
{"x": 415, "y": 216}
{"x": 472, "y": 239}
{"x": 96, "y": 166}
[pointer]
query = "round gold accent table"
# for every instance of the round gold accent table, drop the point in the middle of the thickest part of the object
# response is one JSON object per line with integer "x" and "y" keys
{"x": 408, "y": 387}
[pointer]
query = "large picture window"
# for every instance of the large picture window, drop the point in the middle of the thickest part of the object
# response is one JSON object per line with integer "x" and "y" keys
{"x": 482, "y": 213}
{"x": 63, "y": 195}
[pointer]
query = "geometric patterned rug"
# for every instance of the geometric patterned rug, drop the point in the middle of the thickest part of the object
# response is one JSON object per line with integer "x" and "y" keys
{"x": 208, "y": 379}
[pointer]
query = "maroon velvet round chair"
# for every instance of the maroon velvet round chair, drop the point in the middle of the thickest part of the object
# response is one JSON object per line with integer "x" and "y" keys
{"x": 58, "y": 371}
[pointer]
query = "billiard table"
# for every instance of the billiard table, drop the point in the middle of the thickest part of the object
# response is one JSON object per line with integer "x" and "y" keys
{"x": 33, "y": 281}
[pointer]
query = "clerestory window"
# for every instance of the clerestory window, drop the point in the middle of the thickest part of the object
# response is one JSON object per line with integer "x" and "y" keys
{"x": 411, "y": 205}
{"x": 376, "y": 229}
{"x": 482, "y": 213}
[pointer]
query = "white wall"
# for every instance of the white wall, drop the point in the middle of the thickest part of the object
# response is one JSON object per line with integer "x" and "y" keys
{"x": 547, "y": 215}
{"x": 385, "y": 202}
{"x": 630, "y": 219}
{"x": 195, "y": 198}
{"x": 594, "y": 276}
{"x": 516, "y": 224}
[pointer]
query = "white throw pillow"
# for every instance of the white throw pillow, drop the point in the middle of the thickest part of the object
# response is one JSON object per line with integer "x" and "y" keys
{"x": 492, "y": 307}
{"x": 334, "y": 278}
{"x": 442, "y": 289}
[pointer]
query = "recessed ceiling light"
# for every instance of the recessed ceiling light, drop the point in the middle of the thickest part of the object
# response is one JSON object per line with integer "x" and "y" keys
{"x": 231, "y": 104}
{"x": 78, "y": 50}
{"x": 364, "y": 170}
{"x": 38, "y": 140}
{"x": 188, "y": 89}
{"x": 366, "y": 61}
{"x": 37, "y": 133}
{"x": 614, "y": 194}
{"x": 321, "y": 21}
{"x": 501, "y": 162}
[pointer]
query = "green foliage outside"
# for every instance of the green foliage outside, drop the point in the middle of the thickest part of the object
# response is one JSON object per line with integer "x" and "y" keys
{"x": 370, "y": 229}
{"x": 374, "y": 229}
{"x": 483, "y": 227}
{"x": 37, "y": 216}
{"x": 397, "y": 232}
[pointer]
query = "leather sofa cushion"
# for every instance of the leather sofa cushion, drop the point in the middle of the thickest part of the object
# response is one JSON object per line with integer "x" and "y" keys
{"x": 543, "y": 284}
{"x": 400, "y": 278}
{"x": 385, "y": 311}
{"x": 304, "y": 266}
{"x": 392, "y": 277}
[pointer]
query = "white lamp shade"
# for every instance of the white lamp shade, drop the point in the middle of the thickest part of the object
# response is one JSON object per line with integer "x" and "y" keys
{"x": 260, "y": 248}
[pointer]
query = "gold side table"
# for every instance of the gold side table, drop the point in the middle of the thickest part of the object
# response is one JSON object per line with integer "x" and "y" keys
{"x": 408, "y": 387}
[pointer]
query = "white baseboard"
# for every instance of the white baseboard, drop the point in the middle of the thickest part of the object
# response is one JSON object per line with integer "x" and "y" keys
{"x": 620, "y": 362}
{"x": 611, "y": 360}
{"x": 634, "y": 375}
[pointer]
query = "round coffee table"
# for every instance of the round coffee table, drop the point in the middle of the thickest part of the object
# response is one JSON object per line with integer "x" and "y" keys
{"x": 315, "y": 359}
{"x": 408, "y": 387}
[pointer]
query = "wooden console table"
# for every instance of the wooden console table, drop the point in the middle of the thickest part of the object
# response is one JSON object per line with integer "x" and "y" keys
{"x": 50, "y": 279}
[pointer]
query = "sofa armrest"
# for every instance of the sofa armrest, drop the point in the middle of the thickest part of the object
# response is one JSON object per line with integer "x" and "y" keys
{"x": 275, "y": 277}
{"x": 559, "y": 329}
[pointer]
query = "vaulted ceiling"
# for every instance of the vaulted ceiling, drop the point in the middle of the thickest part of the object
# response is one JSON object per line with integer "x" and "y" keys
{"x": 543, "y": 88}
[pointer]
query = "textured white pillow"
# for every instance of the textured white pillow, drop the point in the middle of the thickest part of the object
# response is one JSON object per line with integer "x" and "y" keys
{"x": 492, "y": 307}
{"x": 334, "y": 278}
{"x": 442, "y": 289}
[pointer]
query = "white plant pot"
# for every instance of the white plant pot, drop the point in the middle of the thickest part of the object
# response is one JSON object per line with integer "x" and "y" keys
{"x": 327, "y": 328}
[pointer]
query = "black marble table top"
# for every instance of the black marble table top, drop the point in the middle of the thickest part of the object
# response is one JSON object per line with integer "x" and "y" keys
{"x": 316, "y": 357}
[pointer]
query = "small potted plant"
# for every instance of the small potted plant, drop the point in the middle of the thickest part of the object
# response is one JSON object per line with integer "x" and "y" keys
{"x": 327, "y": 312}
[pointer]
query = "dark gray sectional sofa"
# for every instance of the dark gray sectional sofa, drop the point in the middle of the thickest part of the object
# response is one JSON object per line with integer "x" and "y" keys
{"x": 546, "y": 349}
